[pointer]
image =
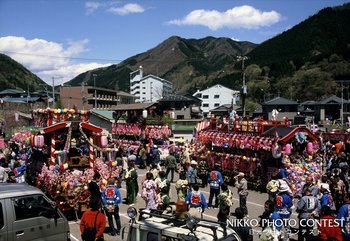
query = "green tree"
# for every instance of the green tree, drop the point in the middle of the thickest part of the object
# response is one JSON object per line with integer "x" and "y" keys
{"x": 58, "y": 104}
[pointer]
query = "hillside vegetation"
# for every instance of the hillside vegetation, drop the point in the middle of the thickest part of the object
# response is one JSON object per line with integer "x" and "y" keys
{"x": 303, "y": 63}
{"x": 14, "y": 75}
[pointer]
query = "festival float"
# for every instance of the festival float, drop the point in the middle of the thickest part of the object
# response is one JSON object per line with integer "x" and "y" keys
{"x": 74, "y": 150}
{"x": 259, "y": 148}
{"x": 135, "y": 126}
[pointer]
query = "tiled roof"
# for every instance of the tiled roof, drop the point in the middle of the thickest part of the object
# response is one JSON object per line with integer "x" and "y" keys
{"x": 11, "y": 91}
{"x": 106, "y": 114}
{"x": 224, "y": 107}
{"x": 333, "y": 99}
{"x": 135, "y": 106}
{"x": 309, "y": 102}
{"x": 175, "y": 98}
{"x": 123, "y": 93}
{"x": 280, "y": 101}
{"x": 21, "y": 99}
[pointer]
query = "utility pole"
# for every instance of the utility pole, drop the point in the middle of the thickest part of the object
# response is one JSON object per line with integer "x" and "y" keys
{"x": 342, "y": 100}
{"x": 94, "y": 75}
{"x": 244, "y": 87}
{"x": 47, "y": 94}
{"x": 83, "y": 93}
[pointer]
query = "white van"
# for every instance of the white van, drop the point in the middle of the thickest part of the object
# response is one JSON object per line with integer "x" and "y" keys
{"x": 26, "y": 214}
{"x": 155, "y": 227}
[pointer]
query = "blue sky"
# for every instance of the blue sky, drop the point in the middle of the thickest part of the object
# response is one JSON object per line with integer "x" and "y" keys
{"x": 63, "y": 38}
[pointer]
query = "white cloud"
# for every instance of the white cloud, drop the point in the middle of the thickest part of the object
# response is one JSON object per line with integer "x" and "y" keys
{"x": 127, "y": 9}
{"x": 68, "y": 72}
{"x": 91, "y": 7}
{"x": 235, "y": 39}
{"x": 238, "y": 17}
{"x": 48, "y": 59}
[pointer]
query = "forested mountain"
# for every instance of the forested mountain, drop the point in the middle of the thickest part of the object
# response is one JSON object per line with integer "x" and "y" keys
{"x": 302, "y": 63}
{"x": 14, "y": 75}
{"x": 305, "y": 62}
{"x": 188, "y": 63}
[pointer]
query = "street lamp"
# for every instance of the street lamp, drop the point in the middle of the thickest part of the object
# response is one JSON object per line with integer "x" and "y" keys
{"x": 94, "y": 75}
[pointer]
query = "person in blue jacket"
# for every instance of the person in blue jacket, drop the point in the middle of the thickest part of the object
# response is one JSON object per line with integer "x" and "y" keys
{"x": 343, "y": 217}
{"x": 215, "y": 181}
{"x": 326, "y": 198}
{"x": 19, "y": 171}
{"x": 111, "y": 198}
{"x": 283, "y": 206}
{"x": 196, "y": 199}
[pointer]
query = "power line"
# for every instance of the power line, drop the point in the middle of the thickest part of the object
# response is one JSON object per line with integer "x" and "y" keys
{"x": 62, "y": 57}
{"x": 97, "y": 59}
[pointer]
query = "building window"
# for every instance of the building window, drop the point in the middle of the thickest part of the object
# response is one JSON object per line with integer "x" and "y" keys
{"x": 216, "y": 96}
{"x": 180, "y": 117}
{"x": 143, "y": 88}
{"x": 199, "y": 95}
{"x": 143, "y": 93}
{"x": 205, "y": 105}
{"x": 205, "y": 96}
{"x": 216, "y": 104}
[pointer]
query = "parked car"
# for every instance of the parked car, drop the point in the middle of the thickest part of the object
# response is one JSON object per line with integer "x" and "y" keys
{"x": 26, "y": 214}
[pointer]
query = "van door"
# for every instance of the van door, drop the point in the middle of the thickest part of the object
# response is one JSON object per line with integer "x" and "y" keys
{"x": 3, "y": 222}
{"x": 34, "y": 219}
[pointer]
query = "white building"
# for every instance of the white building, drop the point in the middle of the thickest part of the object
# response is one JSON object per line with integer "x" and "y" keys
{"x": 149, "y": 88}
{"x": 216, "y": 96}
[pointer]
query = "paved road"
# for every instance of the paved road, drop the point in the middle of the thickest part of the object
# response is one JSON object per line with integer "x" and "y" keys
{"x": 255, "y": 206}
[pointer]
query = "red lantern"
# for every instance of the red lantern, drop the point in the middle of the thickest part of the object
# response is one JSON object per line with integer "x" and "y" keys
{"x": 309, "y": 148}
{"x": 287, "y": 149}
{"x": 39, "y": 141}
{"x": 104, "y": 141}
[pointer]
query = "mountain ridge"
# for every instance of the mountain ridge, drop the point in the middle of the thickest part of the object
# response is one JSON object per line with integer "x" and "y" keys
{"x": 311, "y": 55}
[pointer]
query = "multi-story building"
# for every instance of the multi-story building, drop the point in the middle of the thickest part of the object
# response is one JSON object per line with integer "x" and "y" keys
{"x": 148, "y": 88}
{"x": 88, "y": 97}
{"x": 216, "y": 96}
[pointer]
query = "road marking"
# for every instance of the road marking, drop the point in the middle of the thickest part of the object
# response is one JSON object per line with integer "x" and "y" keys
{"x": 73, "y": 237}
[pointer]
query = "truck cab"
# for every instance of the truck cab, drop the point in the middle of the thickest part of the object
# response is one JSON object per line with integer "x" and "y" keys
{"x": 26, "y": 214}
{"x": 164, "y": 227}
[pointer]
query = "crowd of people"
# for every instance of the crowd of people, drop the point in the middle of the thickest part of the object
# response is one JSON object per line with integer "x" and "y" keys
{"x": 13, "y": 165}
{"x": 326, "y": 202}
{"x": 322, "y": 207}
